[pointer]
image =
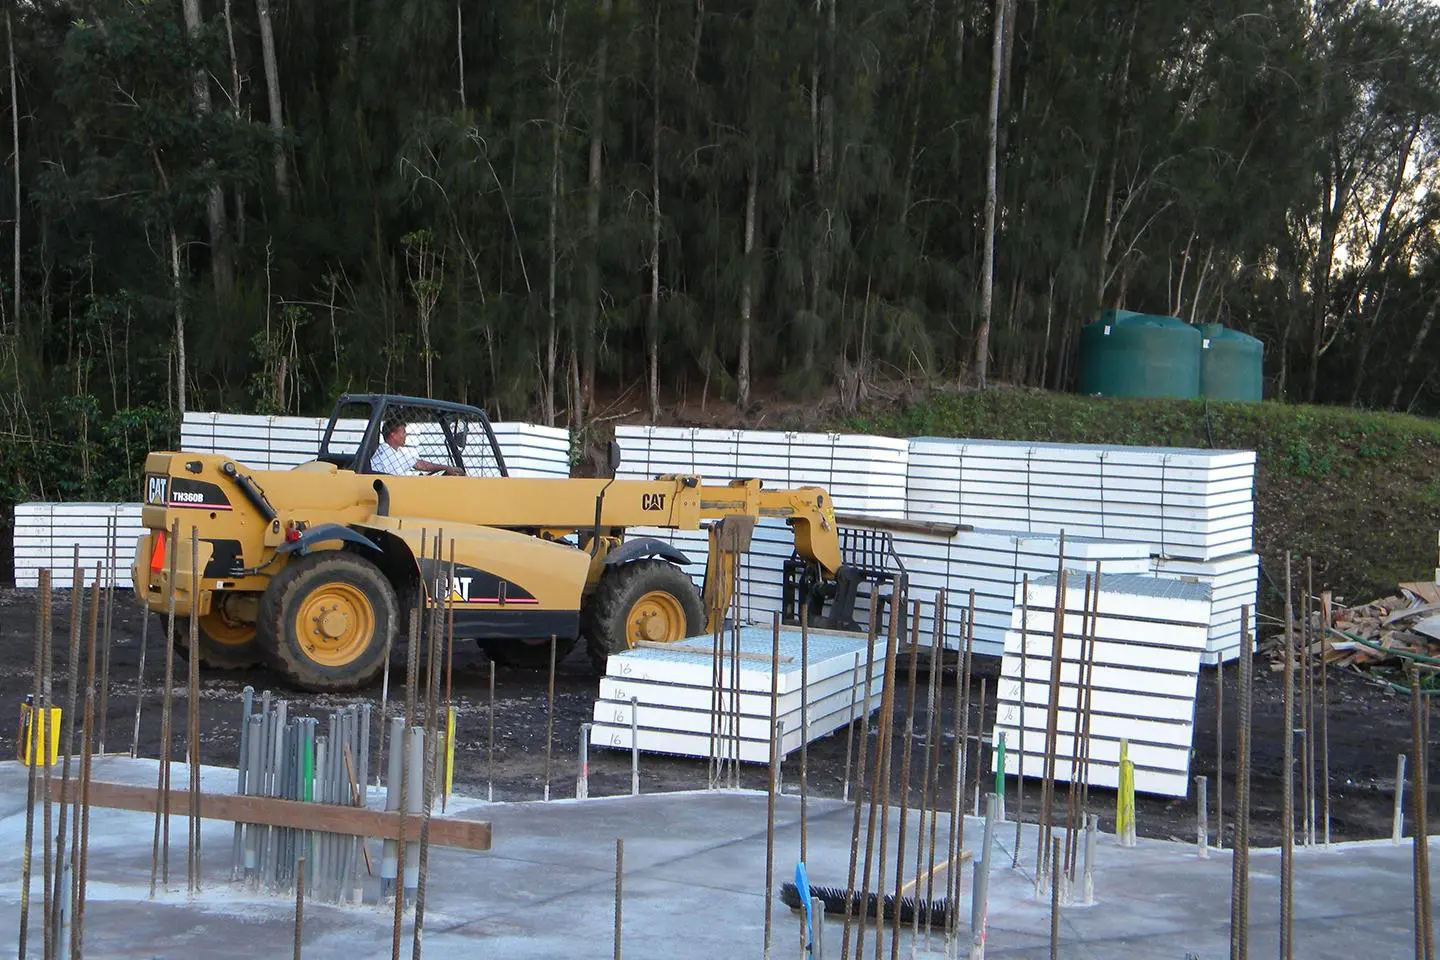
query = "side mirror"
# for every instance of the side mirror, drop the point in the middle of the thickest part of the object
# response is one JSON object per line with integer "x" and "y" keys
{"x": 614, "y": 460}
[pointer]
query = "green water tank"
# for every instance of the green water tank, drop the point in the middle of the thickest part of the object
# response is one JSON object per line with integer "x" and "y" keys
{"x": 1126, "y": 354}
{"x": 1232, "y": 364}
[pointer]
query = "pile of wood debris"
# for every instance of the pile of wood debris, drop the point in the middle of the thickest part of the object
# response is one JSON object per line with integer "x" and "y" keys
{"x": 1383, "y": 631}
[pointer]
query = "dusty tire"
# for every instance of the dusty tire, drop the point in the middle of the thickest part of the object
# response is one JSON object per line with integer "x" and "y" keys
{"x": 223, "y": 645}
{"x": 527, "y": 654}
{"x": 645, "y": 600}
{"x": 325, "y": 619}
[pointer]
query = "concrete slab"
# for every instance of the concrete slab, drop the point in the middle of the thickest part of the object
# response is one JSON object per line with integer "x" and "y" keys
{"x": 694, "y": 876}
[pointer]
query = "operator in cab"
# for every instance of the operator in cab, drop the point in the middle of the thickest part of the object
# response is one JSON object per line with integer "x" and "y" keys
{"x": 393, "y": 457}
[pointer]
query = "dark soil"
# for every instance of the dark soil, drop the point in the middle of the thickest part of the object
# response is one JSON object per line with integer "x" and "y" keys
{"x": 1368, "y": 726}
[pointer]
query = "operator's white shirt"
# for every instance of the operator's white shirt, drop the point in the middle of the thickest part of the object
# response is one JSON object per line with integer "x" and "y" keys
{"x": 387, "y": 459}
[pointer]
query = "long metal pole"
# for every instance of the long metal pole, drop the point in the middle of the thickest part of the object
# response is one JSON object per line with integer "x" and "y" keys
{"x": 1287, "y": 823}
{"x": 851, "y": 902}
{"x": 774, "y": 764}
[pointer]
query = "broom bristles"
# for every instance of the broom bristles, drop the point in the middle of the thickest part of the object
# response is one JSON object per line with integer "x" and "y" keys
{"x": 934, "y": 912}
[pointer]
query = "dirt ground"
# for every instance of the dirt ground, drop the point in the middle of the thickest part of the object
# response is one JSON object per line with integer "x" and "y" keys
{"x": 1368, "y": 726}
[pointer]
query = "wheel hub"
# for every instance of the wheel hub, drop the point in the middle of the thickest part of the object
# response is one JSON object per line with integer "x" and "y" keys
{"x": 334, "y": 624}
{"x": 657, "y": 617}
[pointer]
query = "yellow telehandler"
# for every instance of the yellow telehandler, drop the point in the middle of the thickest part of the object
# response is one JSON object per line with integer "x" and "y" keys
{"x": 315, "y": 570}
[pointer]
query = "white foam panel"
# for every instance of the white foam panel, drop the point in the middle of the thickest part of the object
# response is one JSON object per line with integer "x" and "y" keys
{"x": 863, "y": 473}
{"x": 1234, "y": 582}
{"x": 1150, "y": 633}
{"x": 280, "y": 443}
{"x": 47, "y": 535}
{"x": 675, "y": 693}
{"x": 1183, "y": 503}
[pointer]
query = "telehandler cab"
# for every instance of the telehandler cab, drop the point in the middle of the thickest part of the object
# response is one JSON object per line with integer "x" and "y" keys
{"x": 315, "y": 571}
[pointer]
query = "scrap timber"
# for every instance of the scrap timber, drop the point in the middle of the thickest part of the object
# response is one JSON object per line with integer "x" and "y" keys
{"x": 297, "y": 814}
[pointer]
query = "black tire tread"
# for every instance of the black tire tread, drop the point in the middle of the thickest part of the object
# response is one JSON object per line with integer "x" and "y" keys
{"x": 603, "y": 616}
{"x": 274, "y": 620}
{"x": 218, "y": 656}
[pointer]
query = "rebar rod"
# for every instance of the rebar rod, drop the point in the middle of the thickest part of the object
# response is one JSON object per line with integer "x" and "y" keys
{"x": 770, "y": 791}
{"x": 1287, "y": 823}
{"x": 850, "y": 729}
{"x": 619, "y": 889}
{"x": 898, "y": 613}
{"x": 40, "y": 753}
{"x": 934, "y": 697}
{"x": 193, "y": 732}
{"x": 432, "y": 707}
{"x": 879, "y": 795}
{"x": 1044, "y": 871}
{"x": 30, "y": 747}
{"x": 804, "y": 728}
{"x": 956, "y": 841}
{"x": 160, "y": 846}
{"x": 1090, "y": 698}
{"x": 549, "y": 717}
{"x": 1240, "y": 859}
{"x": 490, "y": 741}
{"x": 1072, "y": 792}
{"x": 1220, "y": 751}
{"x": 905, "y": 771}
{"x": 1324, "y": 713}
{"x": 1020, "y": 748}
{"x": 859, "y": 799}
{"x": 86, "y": 768}
{"x": 112, "y": 543}
{"x": 140, "y": 679}
{"x": 1055, "y": 907}
{"x": 299, "y": 905}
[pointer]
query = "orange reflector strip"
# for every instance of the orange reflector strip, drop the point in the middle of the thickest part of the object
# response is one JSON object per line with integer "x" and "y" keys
{"x": 157, "y": 551}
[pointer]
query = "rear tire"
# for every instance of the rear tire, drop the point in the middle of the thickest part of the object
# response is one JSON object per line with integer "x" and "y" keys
{"x": 326, "y": 619}
{"x": 646, "y": 600}
{"x": 527, "y": 654}
{"x": 223, "y": 645}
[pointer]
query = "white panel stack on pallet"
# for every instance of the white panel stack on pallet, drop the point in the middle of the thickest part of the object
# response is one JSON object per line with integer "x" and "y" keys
{"x": 1149, "y": 635}
{"x": 1193, "y": 504}
{"x": 994, "y": 563}
{"x": 46, "y": 535}
{"x": 675, "y": 692}
{"x": 1193, "y": 509}
{"x": 280, "y": 443}
{"x": 864, "y": 474}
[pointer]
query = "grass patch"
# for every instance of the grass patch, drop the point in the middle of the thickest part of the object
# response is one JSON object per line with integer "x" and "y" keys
{"x": 1358, "y": 491}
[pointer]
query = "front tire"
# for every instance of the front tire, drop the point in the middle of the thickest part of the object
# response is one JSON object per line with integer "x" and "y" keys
{"x": 648, "y": 600}
{"x": 326, "y": 619}
{"x": 224, "y": 644}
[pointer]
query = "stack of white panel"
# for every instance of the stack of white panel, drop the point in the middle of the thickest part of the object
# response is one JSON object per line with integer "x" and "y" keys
{"x": 995, "y": 563}
{"x": 864, "y": 474}
{"x": 1191, "y": 504}
{"x": 47, "y": 535}
{"x": 675, "y": 694}
{"x": 1149, "y": 635}
{"x": 1233, "y": 583}
{"x": 1192, "y": 509}
{"x": 280, "y": 443}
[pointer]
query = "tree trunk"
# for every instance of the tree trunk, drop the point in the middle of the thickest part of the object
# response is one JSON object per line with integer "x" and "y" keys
{"x": 987, "y": 281}
{"x": 592, "y": 222}
{"x": 552, "y": 346}
{"x": 235, "y": 110}
{"x": 272, "y": 86}
{"x": 747, "y": 290}
{"x": 1414, "y": 353}
{"x": 653, "y": 336}
{"x": 221, "y": 259}
{"x": 460, "y": 51}
{"x": 14, "y": 324}
{"x": 176, "y": 291}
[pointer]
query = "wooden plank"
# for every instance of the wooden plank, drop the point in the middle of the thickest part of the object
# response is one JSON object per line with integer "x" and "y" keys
{"x": 275, "y": 812}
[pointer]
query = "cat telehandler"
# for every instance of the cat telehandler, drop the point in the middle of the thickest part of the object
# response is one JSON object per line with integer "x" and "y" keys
{"x": 315, "y": 571}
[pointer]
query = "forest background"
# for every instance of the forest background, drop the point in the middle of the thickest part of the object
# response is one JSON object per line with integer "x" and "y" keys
{"x": 571, "y": 211}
